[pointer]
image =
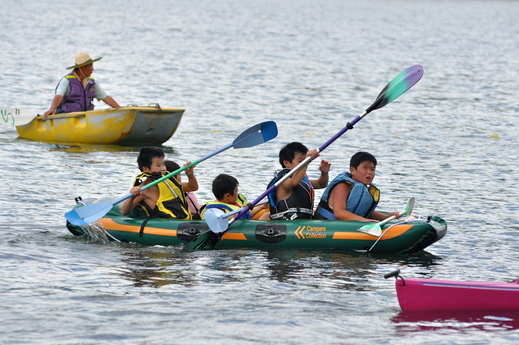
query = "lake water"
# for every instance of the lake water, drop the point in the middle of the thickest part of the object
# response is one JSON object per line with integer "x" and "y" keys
{"x": 311, "y": 66}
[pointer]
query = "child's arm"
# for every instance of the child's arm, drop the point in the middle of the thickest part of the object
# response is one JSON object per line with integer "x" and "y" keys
{"x": 149, "y": 196}
{"x": 284, "y": 190}
{"x": 322, "y": 181}
{"x": 381, "y": 216}
{"x": 132, "y": 202}
{"x": 192, "y": 183}
{"x": 258, "y": 208}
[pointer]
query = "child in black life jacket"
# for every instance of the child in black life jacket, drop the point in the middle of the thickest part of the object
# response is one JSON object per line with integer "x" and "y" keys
{"x": 294, "y": 198}
{"x": 164, "y": 200}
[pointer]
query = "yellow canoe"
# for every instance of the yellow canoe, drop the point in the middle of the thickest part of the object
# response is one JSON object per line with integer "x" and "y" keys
{"x": 130, "y": 125}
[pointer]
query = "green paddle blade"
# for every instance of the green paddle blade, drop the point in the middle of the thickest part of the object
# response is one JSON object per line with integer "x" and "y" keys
{"x": 375, "y": 229}
{"x": 408, "y": 207}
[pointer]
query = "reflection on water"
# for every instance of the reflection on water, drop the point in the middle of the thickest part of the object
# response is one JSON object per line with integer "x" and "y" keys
{"x": 89, "y": 148}
{"x": 153, "y": 268}
{"x": 461, "y": 321}
{"x": 159, "y": 266}
{"x": 422, "y": 259}
{"x": 82, "y": 148}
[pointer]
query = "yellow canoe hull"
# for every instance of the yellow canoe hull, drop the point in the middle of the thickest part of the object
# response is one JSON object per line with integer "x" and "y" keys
{"x": 124, "y": 126}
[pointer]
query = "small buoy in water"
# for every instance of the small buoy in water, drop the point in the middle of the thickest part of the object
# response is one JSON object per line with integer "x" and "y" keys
{"x": 216, "y": 130}
{"x": 399, "y": 135}
{"x": 310, "y": 133}
{"x": 494, "y": 136}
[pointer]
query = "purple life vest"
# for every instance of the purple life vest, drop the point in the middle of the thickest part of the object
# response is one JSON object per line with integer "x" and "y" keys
{"x": 79, "y": 98}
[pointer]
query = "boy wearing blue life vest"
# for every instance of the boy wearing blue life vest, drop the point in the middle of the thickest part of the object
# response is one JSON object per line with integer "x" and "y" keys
{"x": 352, "y": 196}
{"x": 294, "y": 198}
{"x": 164, "y": 200}
{"x": 225, "y": 190}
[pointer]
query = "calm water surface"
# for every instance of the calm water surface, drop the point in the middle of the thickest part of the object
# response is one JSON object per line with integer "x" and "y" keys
{"x": 451, "y": 142}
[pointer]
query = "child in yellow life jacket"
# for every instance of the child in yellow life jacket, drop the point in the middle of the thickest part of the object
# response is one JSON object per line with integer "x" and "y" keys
{"x": 164, "y": 200}
{"x": 225, "y": 190}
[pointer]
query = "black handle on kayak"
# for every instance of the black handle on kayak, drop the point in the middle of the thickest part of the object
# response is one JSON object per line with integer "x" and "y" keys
{"x": 392, "y": 274}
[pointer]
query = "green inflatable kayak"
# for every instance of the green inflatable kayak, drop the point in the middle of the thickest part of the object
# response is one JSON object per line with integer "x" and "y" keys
{"x": 406, "y": 235}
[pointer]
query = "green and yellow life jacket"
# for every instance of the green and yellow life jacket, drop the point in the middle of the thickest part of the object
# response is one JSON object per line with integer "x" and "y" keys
{"x": 227, "y": 207}
{"x": 171, "y": 202}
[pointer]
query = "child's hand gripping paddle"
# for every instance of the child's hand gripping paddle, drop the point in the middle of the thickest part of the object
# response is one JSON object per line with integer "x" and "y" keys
{"x": 375, "y": 229}
{"x": 396, "y": 87}
{"x": 253, "y": 136}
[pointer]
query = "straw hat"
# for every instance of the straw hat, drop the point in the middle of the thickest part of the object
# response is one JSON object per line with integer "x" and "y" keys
{"x": 83, "y": 59}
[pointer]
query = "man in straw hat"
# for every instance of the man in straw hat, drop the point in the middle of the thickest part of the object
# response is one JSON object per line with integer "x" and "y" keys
{"x": 77, "y": 90}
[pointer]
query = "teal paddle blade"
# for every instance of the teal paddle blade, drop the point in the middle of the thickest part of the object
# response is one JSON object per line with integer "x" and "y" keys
{"x": 398, "y": 86}
{"x": 375, "y": 229}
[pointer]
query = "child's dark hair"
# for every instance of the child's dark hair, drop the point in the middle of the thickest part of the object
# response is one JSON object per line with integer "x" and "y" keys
{"x": 171, "y": 166}
{"x": 146, "y": 156}
{"x": 290, "y": 150}
{"x": 224, "y": 184}
{"x": 360, "y": 157}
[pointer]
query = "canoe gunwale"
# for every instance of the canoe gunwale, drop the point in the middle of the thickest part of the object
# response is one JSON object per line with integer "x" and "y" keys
{"x": 60, "y": 116}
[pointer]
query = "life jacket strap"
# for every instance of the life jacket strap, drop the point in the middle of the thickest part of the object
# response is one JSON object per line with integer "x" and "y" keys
{"x": 325, "y": 213}
{"x": 294, "y": 210}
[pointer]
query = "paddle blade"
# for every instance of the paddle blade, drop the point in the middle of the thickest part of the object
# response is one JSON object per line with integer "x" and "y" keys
{"x": 396, "y": 87}
{"x": 408, "y": 207}
{"x": 16, "y": 117}
{"x": 208, "y": 238}
{"x": 374, "y": 230}
{"x": 256, "y": 135}
{"x": 216, "y": 220}
{"x": 88, "y": 213}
